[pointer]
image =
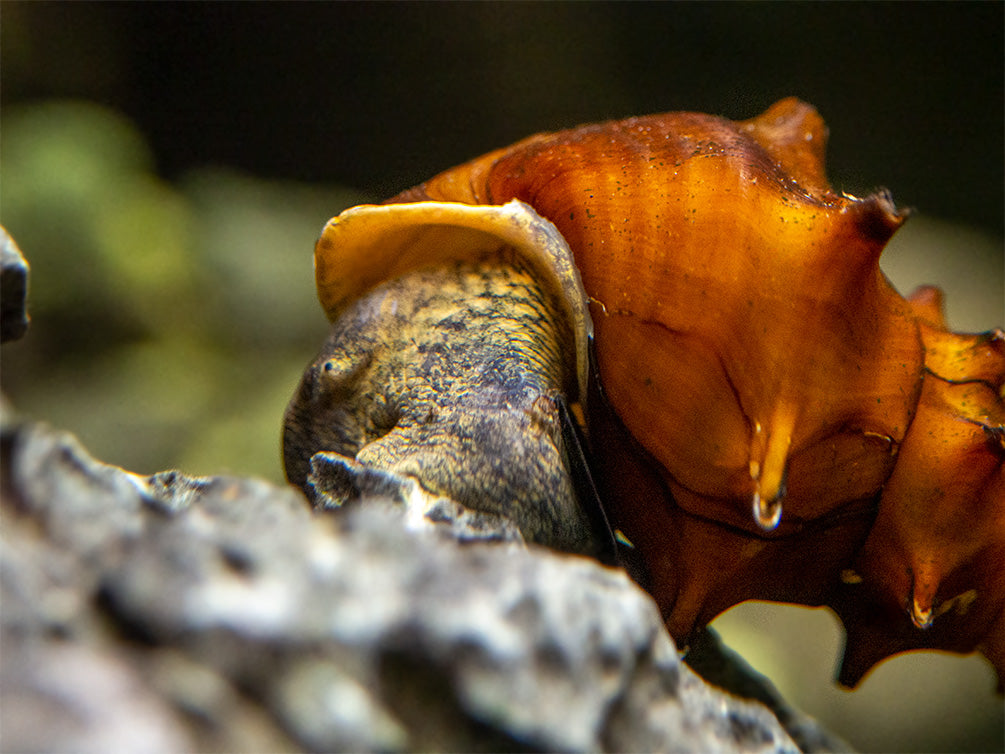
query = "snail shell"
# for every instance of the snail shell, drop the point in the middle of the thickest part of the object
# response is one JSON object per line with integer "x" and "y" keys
{"x": 770, "y": 418}
{"x": 732, "y": 291}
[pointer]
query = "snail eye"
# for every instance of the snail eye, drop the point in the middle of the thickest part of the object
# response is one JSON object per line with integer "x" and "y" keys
{"x": 341, "y": 373}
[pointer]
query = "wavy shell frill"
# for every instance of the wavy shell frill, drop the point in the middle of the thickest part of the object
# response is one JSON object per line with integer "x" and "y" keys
{"x": 773, "y": 419}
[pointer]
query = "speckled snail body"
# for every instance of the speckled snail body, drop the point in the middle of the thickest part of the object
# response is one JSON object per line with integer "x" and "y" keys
{"x": 458, "y": 332}
{"x": 769, "y": 417}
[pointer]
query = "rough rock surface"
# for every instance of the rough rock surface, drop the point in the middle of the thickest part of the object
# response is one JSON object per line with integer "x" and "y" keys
{"x": 169, "y": 613}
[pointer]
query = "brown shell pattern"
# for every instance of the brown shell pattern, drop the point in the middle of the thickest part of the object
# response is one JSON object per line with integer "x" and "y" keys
{"x": 776, "y": 421}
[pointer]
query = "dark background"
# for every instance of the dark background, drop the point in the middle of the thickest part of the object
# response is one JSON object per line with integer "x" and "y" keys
{"x": 380, "y": 96}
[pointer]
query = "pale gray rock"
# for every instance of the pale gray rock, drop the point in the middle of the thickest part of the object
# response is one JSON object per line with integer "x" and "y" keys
{"x": 171, "y": 613}
{"x": 335, "y": 481}
{"x": 69, "y": 696}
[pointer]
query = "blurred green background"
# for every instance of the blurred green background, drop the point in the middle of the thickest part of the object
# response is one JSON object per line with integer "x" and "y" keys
{"x": 167, "y": 167}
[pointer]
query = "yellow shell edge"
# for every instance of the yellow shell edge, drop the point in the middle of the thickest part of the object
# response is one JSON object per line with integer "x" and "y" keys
{"x": 369, "y": 244}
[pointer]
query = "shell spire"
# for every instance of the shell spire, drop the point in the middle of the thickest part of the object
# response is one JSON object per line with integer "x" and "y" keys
{"x": 768, "y": 462}
{"x": 795, "y": 136}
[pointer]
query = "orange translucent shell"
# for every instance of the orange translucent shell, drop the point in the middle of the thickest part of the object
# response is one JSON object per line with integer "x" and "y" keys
{"x": 732, "y": 291}
{"x": 767, "y": 374}
{"x": 937, "y": 549}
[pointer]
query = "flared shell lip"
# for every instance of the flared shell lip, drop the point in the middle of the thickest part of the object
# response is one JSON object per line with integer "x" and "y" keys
{"x": 372, "y": 243}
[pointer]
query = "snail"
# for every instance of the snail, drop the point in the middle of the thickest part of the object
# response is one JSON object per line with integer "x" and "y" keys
{"x": 458, "y": 335}
{"x": 766, "y": 417}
